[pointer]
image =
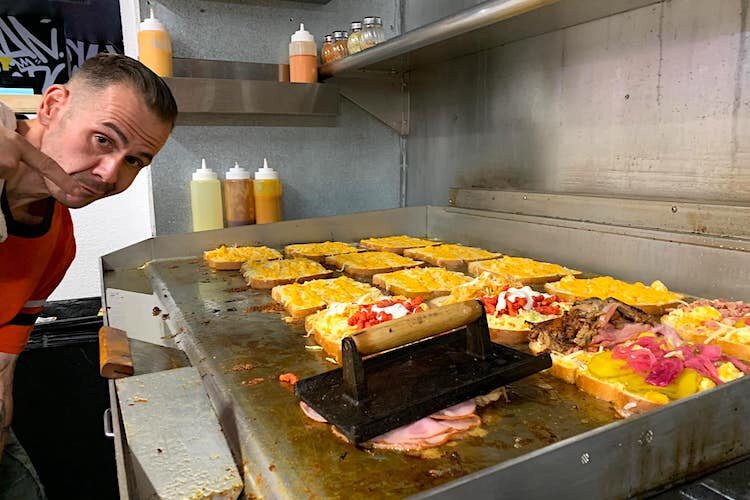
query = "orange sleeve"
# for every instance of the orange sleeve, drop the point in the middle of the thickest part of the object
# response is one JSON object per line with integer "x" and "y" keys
{"x": 13, "y": 338}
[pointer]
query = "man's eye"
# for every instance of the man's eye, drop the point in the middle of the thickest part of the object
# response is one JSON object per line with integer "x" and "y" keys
{"x": 134, "y": 162}
{"x": 102, "y": 140}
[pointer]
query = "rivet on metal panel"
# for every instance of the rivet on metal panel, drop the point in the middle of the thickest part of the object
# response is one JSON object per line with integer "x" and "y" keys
{"x": 451, "y": 202}
{"x": 525, "y": 197}
{"x": 585, "y": 458}
{"x": 674, "y": 210}
{"x": 646, "y": 438}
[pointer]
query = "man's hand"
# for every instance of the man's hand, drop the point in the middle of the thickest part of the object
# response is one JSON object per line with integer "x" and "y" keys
{"x": 14, "y": 149}
{"x": 7, "y": 368}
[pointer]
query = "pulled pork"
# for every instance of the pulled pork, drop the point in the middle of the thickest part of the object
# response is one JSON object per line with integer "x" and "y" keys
{"x": 583, "y": 324}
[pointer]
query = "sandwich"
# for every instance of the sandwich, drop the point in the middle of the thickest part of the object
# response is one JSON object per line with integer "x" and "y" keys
{"x": 718, "y": 322}
{"x": 511, "y": 308}
{"x": 454, "y": 257}
{"x": 303, "y": 299}
{"x": 367, "y": 264}
{"x": 227, "y": 258}
{"x": 319, "y": 251}
{"x": 425, "y": 282}
{"x": 654, "y": 299}
{"x": 395, "y": 244}
{"x": 520, "y": 269}
{"x": 340, "y": 319}
{"x": 268, "y": 274}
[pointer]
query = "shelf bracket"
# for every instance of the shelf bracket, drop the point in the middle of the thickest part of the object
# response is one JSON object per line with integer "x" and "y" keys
{"x": 384, "y": 95}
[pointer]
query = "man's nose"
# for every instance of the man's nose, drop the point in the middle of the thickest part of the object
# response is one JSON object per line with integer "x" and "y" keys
{"x": 108, "y": 168}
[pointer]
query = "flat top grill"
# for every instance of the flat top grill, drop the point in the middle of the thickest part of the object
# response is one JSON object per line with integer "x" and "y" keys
{"x": 284, "y": 453}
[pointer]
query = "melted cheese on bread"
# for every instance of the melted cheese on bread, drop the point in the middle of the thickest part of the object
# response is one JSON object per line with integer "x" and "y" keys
{"x": 319, "y": 249}
{"x": 241, "y": 254}
{"x": 399, "y": 242}
{"x": 604, "y": 287}
{"x": 454, "y": 252}
{"x": 521, "y": 267}
{"x": 282, "y": 269}
{"x": 371, "y": 260}
{"x": 423, "y": 280}
{"x": 318, "y": 293}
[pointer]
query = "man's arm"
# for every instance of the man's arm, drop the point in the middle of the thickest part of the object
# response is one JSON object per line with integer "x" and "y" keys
{"x": 7, "y": 368}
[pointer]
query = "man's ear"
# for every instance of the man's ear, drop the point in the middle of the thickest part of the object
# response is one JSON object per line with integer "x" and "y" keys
{"x": 53, "y": 102}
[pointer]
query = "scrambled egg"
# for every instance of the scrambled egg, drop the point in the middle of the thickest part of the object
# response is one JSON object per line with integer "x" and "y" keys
{"x": 605, "y": 286}
{"x": 458, "y": 252}
{"x": 371, "y": 260}
{"x": 521, "y": 267}
{"x": 241, "y": 254}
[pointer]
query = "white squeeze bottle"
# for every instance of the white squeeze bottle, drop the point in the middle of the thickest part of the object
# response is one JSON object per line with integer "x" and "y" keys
{"x": 205, "y": 199}
{"x": 155, "y": 46}
{"x": 303, "y": 57}
{"x": 267, "y": 191}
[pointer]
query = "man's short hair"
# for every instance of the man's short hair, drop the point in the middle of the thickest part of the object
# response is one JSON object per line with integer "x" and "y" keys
{"x": 103, "y": 70}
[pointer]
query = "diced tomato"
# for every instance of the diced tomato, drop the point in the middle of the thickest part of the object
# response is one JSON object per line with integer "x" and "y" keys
{"x": 385, "y": 303}
{"x": 537, "y": 298}
{"x": 417, "y": 301}
{"x": 521, "y": 301}
{"x": 288, "y": 378}
{"x": 506, "y": 288}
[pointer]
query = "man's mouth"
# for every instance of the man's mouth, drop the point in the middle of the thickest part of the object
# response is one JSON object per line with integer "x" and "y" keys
{"x": 93, "y": 191}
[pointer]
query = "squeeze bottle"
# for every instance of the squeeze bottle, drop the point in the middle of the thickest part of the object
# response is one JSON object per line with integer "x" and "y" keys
{"x": 303, "y": 57}
{"x": 267, "y": 189}
{"x": 239, "y": 202}
{"x": 155, "y": 46}
{"x": 205, "y": 199}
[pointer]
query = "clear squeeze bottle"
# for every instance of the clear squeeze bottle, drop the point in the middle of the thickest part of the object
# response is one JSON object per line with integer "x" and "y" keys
{"x": 267, "y": 189}
{"x": 239, "y": 202}
{"x": 303, "y": 57}
{"x": 205, "y": 199}
{"x": 155, "y": 46}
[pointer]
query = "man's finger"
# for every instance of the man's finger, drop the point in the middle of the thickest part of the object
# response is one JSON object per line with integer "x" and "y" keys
{"x": 47, "y": 167}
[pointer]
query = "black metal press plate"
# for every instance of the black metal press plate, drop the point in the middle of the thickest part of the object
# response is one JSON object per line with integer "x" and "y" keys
{"x": 412, "y": 382}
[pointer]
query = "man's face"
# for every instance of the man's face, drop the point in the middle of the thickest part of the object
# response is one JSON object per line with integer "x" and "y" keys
{"x": 102, "y": 138}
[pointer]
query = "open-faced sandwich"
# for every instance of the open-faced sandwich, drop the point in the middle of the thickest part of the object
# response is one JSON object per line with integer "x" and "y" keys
{"x": 520, "y": 269}
{"x": 227, "y": 258}
{"x": 319, "y": 251}
{"x": 720, "y": 322}
{"x": 395, "y": 244}
{"x": 366, "y": 264}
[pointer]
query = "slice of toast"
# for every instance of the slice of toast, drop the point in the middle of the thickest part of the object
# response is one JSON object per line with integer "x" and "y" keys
{"x": 227, "y": 258}
{"x": 395, "y": 244}
{"x": 268, "y": 274}
{"x": 453, "y": 257}
{"x": 522, "y": 270}
{"x": 302, "y": 299}
{"x": 419, "y": 281}
{"x": 319, "y": 251}
{"x": 702, "y": 323}
{"x": 366, "y": 264}
{"x": 654, "y": 299}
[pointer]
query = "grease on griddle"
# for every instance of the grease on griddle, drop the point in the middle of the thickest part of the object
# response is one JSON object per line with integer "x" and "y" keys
{"x": 242, "y": 367}
{"x": 253, "y": 381}
{"x": 238, "y": 289}
{"x": 269, "y": 307}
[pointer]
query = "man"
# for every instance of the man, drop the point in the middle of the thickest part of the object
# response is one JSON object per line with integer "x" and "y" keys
{"x": 89, "y": 140}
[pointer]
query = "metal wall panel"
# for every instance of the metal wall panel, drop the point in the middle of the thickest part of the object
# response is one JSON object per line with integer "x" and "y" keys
{"x": 327, "y": 167}
{"x": 651, "y": 102}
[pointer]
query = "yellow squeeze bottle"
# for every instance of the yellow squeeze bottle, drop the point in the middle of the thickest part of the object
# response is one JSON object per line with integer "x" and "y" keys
{"x": 205, "y": 199}
{"x": 267, "y": 190}
{"x": 155, "y": 46}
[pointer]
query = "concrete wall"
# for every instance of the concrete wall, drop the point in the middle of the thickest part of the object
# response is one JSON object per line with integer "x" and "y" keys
{"x": 350, "y": 166}
{"x": 654, "y": 102}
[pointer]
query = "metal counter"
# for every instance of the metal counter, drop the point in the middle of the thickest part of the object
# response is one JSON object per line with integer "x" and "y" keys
{"x": 550, "y": 439}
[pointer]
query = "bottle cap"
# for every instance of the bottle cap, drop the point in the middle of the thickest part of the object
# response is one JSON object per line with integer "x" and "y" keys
{"x": 266, "y": 173}
{"x": 340, "y": 35}
{"x": 302, "y": 35}
{"x": 369, "y": 20}
{"x": 203, "y": 173}
{"x": 151, "y": 23}
{"x": 356, "y": 25}
{"x": 237, "y": 173}
{"x": 328, "y": 38}
{"x": 378, "y": 21}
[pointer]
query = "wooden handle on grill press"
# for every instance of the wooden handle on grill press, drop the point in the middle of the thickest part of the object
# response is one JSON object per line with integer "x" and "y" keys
{"x": 416, "y": 327}
{"x": 115, "y": 360}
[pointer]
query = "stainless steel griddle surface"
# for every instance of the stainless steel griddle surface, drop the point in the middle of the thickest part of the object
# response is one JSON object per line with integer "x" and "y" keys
{"x": 223, "y": 325}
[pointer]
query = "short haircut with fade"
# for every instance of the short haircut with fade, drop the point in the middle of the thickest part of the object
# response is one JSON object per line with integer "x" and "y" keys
{"x": 103, "y": 70}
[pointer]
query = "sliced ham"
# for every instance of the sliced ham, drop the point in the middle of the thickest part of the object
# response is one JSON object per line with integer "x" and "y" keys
{"x": 311, "y": 413}
{"x": 460, "y": 410}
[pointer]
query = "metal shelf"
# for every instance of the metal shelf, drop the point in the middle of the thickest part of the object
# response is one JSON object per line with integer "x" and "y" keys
{"x": 486, "y": 25}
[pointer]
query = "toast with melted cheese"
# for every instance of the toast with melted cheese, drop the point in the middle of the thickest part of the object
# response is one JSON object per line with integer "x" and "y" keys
{"x": 453, "y": 257}
{"x": 366, "y": 264}
{"x": 522, "y": 270}
{"x": 427, "y": 282}
{"x": 227, "y": 258}
{"x": 395, "y": 244}
{"x": 302, "y": 299}
{"x": 268, "y": 274}
{"x": 319, "y": 251}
